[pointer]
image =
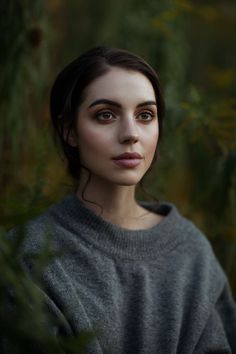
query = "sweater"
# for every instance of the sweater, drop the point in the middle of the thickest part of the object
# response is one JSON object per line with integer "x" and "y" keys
{"x": 157, "y": 290}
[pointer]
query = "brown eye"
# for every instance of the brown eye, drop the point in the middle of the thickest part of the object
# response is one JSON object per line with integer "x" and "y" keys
{"x": 145, "y": 116}
{"x": 105, "y": 116}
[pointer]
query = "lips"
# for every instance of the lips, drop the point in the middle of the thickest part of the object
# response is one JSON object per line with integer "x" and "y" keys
{"x": 128, "y": 160}
{"x": 128, "y": 156}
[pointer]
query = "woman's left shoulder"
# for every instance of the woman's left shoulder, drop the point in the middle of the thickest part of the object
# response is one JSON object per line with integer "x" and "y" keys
{"x": 186, "y": 226}
{"x": 190, "y": 236}
{"x": 198, "y": 245}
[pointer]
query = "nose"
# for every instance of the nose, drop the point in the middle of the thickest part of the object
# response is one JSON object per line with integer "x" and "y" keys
{"x": 128, "y": 132}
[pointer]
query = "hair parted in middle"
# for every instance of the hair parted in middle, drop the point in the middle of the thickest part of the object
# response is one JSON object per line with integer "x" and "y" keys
{"x": 68, "y": 92}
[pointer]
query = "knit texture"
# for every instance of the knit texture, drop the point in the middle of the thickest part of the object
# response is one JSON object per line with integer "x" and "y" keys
{"x": 158, "y": 290}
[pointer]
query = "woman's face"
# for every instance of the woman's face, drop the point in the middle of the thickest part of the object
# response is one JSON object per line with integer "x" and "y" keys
{"x": 118, "y": 117}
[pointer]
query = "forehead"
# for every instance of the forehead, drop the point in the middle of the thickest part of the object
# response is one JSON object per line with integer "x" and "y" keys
{"x": 121, "y": 84}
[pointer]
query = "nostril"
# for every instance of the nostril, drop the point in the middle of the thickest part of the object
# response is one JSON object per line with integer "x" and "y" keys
{"x": 129, "y": 139}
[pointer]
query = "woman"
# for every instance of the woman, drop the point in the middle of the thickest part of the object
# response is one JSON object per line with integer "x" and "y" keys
{"x": 141, "y": 273}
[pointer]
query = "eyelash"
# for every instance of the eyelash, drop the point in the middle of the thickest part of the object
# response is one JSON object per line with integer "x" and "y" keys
{"x": 151, "y": 115}
{"x": 99, "y": 114}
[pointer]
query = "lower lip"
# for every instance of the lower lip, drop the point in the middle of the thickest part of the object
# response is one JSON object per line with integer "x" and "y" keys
{"x": 128, "y": 162}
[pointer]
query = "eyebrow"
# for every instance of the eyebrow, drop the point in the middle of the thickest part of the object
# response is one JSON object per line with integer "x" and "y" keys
{"x": 116, "y": 104}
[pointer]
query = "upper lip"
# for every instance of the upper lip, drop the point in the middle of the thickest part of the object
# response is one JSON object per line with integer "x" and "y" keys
{"x": 128, "y": 155}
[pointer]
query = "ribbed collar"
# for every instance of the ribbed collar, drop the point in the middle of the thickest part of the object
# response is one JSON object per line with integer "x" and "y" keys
{"x": 118, "y": 241}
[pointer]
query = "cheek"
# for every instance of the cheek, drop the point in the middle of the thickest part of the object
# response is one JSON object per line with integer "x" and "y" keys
{"x": 92, "y": 142}
{"x": 152, "y": 140}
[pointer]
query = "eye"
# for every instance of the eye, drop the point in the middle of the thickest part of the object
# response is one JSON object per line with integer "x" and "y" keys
{"x": 146, "y": 116}
{"x": 105, "y": 116}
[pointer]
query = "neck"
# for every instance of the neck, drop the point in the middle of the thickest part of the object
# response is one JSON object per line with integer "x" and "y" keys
{"x": 117, "y": 202}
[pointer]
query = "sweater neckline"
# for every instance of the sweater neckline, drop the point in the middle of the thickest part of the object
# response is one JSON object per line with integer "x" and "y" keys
{"x": 119, "y": 241}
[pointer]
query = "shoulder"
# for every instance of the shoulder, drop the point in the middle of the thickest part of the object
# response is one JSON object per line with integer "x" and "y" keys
{"x": 191, "y": 248}
{"x": 184, "y": 228}
{"x": 199, "y": 256}
{"x": 34, "y": 233}
{"x": 173, "y": 223}
{"x": 196, "y": 241}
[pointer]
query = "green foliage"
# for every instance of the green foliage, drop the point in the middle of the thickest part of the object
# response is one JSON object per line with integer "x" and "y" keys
{"x": 26, "y": 325}
{"x": 24, "y": 59}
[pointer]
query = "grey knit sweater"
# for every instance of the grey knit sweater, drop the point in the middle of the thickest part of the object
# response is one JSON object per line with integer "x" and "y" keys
{"x": 158, "y": 290}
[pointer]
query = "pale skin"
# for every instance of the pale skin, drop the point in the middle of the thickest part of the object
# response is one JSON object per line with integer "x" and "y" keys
{"x": 127, "y": 123}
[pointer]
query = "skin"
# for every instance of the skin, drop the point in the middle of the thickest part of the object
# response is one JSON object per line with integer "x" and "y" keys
{"x": 106, "y": 130}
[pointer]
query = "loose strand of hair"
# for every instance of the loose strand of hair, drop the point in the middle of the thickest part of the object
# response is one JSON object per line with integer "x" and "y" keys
{"x": 85, "y": 187}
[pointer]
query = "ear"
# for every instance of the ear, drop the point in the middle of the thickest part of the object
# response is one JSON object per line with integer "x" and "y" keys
{"x": 70, "y": 137}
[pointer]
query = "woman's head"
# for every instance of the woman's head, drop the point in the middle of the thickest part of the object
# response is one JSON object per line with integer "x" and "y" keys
{"x": 74, "y": 84}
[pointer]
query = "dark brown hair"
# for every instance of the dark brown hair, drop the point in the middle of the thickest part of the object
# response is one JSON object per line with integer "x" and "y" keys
{"x": 67, "y": 93}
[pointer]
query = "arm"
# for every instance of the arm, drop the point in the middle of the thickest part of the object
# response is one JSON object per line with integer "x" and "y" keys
{"x": 219, "y": 334}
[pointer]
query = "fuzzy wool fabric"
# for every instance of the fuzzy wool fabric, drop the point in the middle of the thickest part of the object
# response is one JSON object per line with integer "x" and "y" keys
{"x": 158, "y": 290}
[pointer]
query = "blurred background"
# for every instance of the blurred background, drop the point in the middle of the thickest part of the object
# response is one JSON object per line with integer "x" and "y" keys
{"x": 191, "y": 44}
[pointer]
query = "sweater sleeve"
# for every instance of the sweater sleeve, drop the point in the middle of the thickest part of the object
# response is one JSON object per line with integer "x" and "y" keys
{"x": 58, "y": 326}
{"x": 219, "y": 333}
{"x": 23, "y": 302}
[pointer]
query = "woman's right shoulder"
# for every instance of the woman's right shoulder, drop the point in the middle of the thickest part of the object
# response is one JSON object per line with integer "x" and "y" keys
{"x": 33, "y": 233}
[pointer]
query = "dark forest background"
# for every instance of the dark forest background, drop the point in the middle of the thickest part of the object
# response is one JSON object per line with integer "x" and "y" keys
{"x": 191, "y": 44}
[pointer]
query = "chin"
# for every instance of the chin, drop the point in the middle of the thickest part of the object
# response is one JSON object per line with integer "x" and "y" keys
{"x": 131, "y": 178}
{"x": 127, "y": 181}
{"x": 122, "y": 179}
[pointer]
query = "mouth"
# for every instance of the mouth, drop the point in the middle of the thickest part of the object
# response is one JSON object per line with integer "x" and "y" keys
{"x": 128, "y": 156}
{"x": 128, "y": 160}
